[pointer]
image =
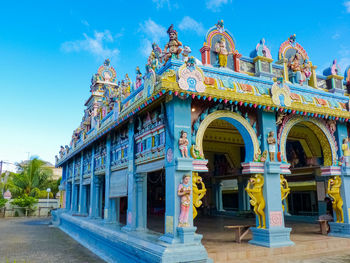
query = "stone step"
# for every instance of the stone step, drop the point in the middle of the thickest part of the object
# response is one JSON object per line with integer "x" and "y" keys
{"x": 302, "y": 249}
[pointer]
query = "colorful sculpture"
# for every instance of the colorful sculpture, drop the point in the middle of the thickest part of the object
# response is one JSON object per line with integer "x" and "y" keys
{"x": 333, "y": 190}
{"x": 262, "y": 50}
{"x": 335, "y": 70}
{"x": 280, "y": 93}
{"x": 300, "y": 70}
{"x": 184, "y": 191}
{"x": 172, "y": 49}
{"x": 255, "y": 191}
{"x": 271, "y": 141}
{"x": 222, "y": 52}
{"x": 138, "y": 78}
{"x": 183, "y": 143}
{"x": 195, "y": 152}
{"x": 285, "y": 190}
{"x": 198, "y": 194}
{"x": 346, "y": 151}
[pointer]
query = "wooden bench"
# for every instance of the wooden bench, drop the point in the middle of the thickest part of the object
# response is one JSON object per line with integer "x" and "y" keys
{"x": 324, "y": 226}
{"x": 240, "y": 231}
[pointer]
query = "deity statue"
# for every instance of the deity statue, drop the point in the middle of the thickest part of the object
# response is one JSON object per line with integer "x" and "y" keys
{"x": 198, "y": 194}
{"x": 183, "y": 143}
{"x": 138, "y": 78}
{"x": 262, "y": 50}
{"x": 222, "y": 52}
{"x": 292, "y": 40}
{"x": 271, "y": 141}
{"x": 285, "y": 190}
{"x": 152, "y": 62}
{"x": 184, "y": 191}
{"x": 61, "y": 152}
{"x": 335, "y": 68}
{"x": 346, "y": 151}
{"x": 255, "y": 191}
{"x": 172, "y": 49}
{"x": 333, "y": 190}
{"x": 300, "y": 72}
{"x": 56, "y": 158}
{"x": 187, "y": 50}
{"x": 220, "y": 26}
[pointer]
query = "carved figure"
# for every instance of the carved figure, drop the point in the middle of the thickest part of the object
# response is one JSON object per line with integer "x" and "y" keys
{"x": 56, "y": 158}
{"x": 260, "y": 157}
{"x": 255, "y": 191}
{"x": 184, "y": 191}
{"x": 198, "y": 194}
{"x": 172, "y": 49}
{"x": 285, "y": 190}
{"x": 306, "y": 71}
{"x": 333, "y": 190}
{"x": 195, "y": 152}
{"x": 138, "y": 78}
{"x": 335, "y": 68}
{"x": 220, "y": 26}
{"x": 187, "y": 50}
{"x": 61, "y": 152}
{"x": 222, "y": 52}
{"x": 262, "y": 50}
{"x": 271, "y": 141}
{"x": 280, "y": 117}
{"x": 346, "y": 151}
{"x": 183, "y": 143}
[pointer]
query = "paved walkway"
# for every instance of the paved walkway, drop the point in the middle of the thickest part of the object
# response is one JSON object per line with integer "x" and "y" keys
{"x": 32, "y": 240}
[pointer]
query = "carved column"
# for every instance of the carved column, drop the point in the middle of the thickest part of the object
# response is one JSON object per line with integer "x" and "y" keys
{"x": 82, "y": 198}
{"x": 141, "y": 186}
{"x": 107, "y": 178}
{"x": 92, "y": 208}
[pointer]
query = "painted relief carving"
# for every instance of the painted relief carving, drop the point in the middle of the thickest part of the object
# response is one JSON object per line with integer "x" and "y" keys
{"x": 191, "y": 77}
{"x": 285, "y": 190}
{"x": 198, "y": 194}
{"x": 222, "y": 52}
{"x": 184, "y": 192}
{"x": 333, "y": 190}
{"x": 183, "y": 144}
{"x": 262, "y": 50}
{"x": 271, "y": 141}
{"x": 255, "y": 191}
{"x": 280, "y": 93}
{"x": 346, "y": 151}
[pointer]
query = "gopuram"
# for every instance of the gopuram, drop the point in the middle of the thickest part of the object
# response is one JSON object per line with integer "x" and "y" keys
{"x": 225, "y": 135}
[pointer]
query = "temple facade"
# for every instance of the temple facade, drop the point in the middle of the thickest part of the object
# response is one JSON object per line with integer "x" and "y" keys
{"x": 224, "y": 135}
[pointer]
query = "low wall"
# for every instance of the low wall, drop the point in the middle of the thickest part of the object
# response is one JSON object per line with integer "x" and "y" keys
{"x": 42, "y": 208}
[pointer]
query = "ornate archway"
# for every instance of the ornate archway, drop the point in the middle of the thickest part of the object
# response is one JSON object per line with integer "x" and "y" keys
{"x": 242, "y": 125}
{"x": 320, "y": 130}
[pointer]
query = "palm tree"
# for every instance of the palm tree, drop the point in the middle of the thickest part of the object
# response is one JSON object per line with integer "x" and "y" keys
{"x": 33, "y": 176}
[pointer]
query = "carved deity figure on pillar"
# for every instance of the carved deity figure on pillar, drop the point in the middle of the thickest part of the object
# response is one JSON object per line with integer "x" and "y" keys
{"x": 198, "y": 194}
{"x": 222, "y": 52}
{"x": 271, "y": 141}
{"x": 183, "y": 143}
{"x": 346, "y": 151}
{"x": 333, "y": 190}
{"x": 138, "y": 78}
{"x": 285, "y": 190}
{"x": 172, "y": 49}
{"x": 255, "y": 191}
{"x": 184, "y": 191}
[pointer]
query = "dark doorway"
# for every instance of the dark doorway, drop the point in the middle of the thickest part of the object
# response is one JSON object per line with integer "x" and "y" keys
{"x": 156, "y": 200}
{"x": 123, "y": 210}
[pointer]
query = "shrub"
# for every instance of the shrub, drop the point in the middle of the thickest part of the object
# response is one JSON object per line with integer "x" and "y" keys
{"x": 2, "y": 202}
{"x": 25, "y": 202}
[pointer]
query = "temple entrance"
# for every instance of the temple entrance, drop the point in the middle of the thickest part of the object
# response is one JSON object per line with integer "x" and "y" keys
{"x": 123, "y": 207}
{"x": 156, "y": 200}
{"x": 307, "y": 189}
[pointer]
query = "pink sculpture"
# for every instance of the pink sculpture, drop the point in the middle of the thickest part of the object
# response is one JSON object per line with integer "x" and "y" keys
{"x": 183, "y": 143}
{"x": 184, "y": 191}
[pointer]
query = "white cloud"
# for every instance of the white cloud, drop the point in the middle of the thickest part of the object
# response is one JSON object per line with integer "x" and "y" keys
{"x": 161, "y": 3}
{"x": 188, "y": 23}
{"x": 215, "y": 5}
{"x": 96, "y": 45}
{"x": 347, "y": 6}
{"x": 336, "y": 36}
{"x": 152, "y": 32}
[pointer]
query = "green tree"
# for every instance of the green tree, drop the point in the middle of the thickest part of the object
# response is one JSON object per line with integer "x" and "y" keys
{"x": 33, "y": 174}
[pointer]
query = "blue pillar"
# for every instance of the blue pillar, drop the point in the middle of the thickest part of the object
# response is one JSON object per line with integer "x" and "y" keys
{"x": 81, "y": 194}
{"x": 275, "y": 234}
{"x": 178, "y": 118}
{"x": 131, "y": 211}
{"x": 73, "y": 200}
{"x": 68, "y": 188}
{"x": 114, "y": 210}
{"x": 243, "y": 199}
{"x": 107, "y": 178}
{"x": 342, "y": 229}
{"x": 141, "y": 188}
{"x": 92, "y": 208}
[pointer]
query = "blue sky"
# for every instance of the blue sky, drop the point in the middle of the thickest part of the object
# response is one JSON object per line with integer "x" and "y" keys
{"x": 50, "y": 49}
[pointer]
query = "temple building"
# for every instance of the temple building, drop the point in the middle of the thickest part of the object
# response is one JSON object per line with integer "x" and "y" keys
{"x": 226, "y": 135}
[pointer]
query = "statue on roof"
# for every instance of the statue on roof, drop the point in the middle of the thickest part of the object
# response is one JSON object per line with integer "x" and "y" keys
{"x": 262, "y": 50}
{"x": 138, "y": 78}
{"x": 172, "y": 49}
{"x": 335, "y": 70}
{"x": 220, "y": 26}
{"x": 292, "y": 40}
{"x": 222, "y": 52}
{"x": 300, "y": 70}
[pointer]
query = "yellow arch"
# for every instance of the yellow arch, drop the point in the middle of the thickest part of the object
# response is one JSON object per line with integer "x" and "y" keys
{"x": 242, "y": 125}
{"x": 322, "y": 133}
